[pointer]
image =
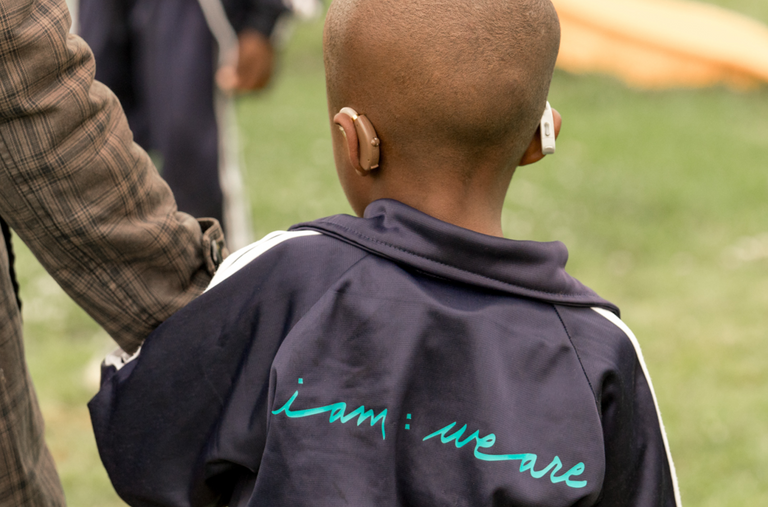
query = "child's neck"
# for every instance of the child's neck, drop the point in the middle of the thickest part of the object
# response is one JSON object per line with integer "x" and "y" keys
{"x": 474, "y": 205}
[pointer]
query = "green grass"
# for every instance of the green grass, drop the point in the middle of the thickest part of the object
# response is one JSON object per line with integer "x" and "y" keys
{"x": 660, "y": 197}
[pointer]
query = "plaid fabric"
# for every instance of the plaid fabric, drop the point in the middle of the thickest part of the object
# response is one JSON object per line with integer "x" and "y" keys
{"x": 90, "y": 205}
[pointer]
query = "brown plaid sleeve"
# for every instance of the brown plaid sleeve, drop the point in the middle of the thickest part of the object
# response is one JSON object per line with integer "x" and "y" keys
{"x": 85, "y": 199}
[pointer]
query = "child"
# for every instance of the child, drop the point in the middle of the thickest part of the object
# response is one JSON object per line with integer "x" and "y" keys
{"x": 412, "y": 356}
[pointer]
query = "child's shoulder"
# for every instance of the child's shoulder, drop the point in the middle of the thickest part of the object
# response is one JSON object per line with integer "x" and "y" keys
{"x": 286, "y": 255}
{"x": 601, "y": 337}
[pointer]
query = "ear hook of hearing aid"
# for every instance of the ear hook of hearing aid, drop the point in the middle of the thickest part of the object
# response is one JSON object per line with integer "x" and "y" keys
{"x": 367, "y": 139}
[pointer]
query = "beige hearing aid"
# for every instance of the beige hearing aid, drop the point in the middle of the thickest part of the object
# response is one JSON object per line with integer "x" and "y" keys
{"x": 367, "y": 140}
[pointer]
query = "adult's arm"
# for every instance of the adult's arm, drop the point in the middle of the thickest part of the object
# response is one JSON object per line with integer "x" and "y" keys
{"x": 86, "y": 200}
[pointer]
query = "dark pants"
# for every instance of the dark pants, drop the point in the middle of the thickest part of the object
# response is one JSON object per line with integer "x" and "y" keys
{"x": 158, "y": 58}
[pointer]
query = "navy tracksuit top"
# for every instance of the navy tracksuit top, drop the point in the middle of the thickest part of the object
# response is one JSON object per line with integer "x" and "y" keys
{"x": 390, "y": 360}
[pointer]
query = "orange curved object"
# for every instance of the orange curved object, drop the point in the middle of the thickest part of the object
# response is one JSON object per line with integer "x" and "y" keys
{"x": 662, "y": 43}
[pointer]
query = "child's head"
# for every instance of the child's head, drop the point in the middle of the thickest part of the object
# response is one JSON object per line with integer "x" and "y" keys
{"x": 454, "y": 89}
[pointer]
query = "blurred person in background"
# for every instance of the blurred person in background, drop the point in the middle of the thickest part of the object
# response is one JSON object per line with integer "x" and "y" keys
{"x": 90, "y": 205}
{"x": 160, "y": 60}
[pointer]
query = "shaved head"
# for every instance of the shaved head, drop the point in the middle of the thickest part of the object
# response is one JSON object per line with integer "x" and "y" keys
{"x": 432, "y": 74}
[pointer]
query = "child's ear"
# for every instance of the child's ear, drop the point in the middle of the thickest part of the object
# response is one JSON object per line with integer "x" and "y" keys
{"x": 533, "y": 153}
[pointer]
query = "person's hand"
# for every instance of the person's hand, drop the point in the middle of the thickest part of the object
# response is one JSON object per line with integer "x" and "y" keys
{"x": 254, "y": 64}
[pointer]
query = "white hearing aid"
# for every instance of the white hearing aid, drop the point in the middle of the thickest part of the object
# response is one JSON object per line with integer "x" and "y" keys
{"x": 547, "y": 129}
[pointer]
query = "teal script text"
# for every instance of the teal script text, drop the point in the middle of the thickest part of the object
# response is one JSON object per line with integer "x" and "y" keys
{"x": 527, "y": 460}
{"x": 337, "y": 413}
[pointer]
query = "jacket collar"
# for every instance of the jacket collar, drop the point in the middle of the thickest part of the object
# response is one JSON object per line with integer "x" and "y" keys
{"x": 405, "y": 235}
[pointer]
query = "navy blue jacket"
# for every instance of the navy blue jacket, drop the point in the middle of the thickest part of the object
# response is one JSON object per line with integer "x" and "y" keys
{"x": 391, "y": 360}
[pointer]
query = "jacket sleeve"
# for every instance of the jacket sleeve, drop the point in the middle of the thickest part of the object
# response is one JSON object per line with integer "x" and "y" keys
{"x": 639, "y": 467}
{"x": 86, "y": 200}
{"x": 154, "y": 419}
{"x": 639, "y": 471}
{"x": 259, "y": 15}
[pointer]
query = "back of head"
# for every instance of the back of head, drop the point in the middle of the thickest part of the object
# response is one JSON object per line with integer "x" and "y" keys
{"x": 449, "y": 77}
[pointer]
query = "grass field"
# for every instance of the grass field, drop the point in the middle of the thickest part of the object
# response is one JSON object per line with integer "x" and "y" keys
{"x": 660, "y": 196}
